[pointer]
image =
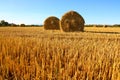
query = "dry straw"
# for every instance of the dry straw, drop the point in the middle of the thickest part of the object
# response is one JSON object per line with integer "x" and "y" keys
{"x": 72, "y": 21}
{"x": 51, "y": 23}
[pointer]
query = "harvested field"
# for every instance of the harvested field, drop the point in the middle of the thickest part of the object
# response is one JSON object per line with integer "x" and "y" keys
{"x": 32, "y": 53}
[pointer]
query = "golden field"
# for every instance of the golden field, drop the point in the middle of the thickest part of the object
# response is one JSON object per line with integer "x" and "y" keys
{"x": 31, "y": 53}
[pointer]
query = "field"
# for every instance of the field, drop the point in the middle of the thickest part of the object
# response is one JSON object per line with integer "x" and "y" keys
{"x": 31, "y": 53}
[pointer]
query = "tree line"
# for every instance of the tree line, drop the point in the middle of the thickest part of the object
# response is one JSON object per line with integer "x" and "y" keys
{"x": 4, "y": 23}
{"x": 101, "y": 25}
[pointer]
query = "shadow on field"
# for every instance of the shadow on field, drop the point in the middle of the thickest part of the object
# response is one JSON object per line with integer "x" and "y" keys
{"x": 103, "y": 32}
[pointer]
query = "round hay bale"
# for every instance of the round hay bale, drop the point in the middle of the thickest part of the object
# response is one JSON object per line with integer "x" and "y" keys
{"x": 104, "y": 26}
{"x": 72, "y": 21}
{"x": 51, "y": 23}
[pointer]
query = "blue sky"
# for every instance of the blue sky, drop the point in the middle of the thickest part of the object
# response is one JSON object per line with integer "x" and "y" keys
{"x": 36, "y": 11}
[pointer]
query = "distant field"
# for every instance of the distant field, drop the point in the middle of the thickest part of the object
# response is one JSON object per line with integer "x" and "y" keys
{"x": 32, "y": 53}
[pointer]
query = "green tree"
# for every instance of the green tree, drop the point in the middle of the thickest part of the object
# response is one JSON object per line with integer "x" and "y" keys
{"x": 22, "y": 25}
{"x": 0, "y": 24}
{"x": 4, "y": 23}
{"x": 13, "y": 25}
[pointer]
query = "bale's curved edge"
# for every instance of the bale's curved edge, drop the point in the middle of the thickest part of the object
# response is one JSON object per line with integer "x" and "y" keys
{"x": 72, "y": 21}
{"x": 52, "y": 23}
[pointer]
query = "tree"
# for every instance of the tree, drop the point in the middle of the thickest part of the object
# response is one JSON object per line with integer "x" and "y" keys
{"x": 22, "y": 25}
{"x": 13, "y": 25}
{"x": 0, "y": 24}
{"x": 4, "y": 23}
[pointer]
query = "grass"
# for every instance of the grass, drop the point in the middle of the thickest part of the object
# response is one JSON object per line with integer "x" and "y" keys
{"x": 30, "y": 53}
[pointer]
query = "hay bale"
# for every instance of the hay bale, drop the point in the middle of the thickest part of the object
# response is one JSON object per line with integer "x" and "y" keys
{"x": 72, "y": 21}
{"x": 51, "y": 23}
{"x": 94, "y": 25}
{"x": 104, "y": 26}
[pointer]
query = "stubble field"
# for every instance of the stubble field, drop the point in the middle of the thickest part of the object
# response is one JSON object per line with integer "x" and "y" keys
{"x": 31, "y": 53}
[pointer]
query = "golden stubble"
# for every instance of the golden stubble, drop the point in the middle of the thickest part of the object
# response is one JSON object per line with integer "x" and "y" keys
{"x": 35, "y": 54}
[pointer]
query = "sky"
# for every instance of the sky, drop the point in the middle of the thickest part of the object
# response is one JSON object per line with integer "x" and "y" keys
{"x": 36, "y": 11}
